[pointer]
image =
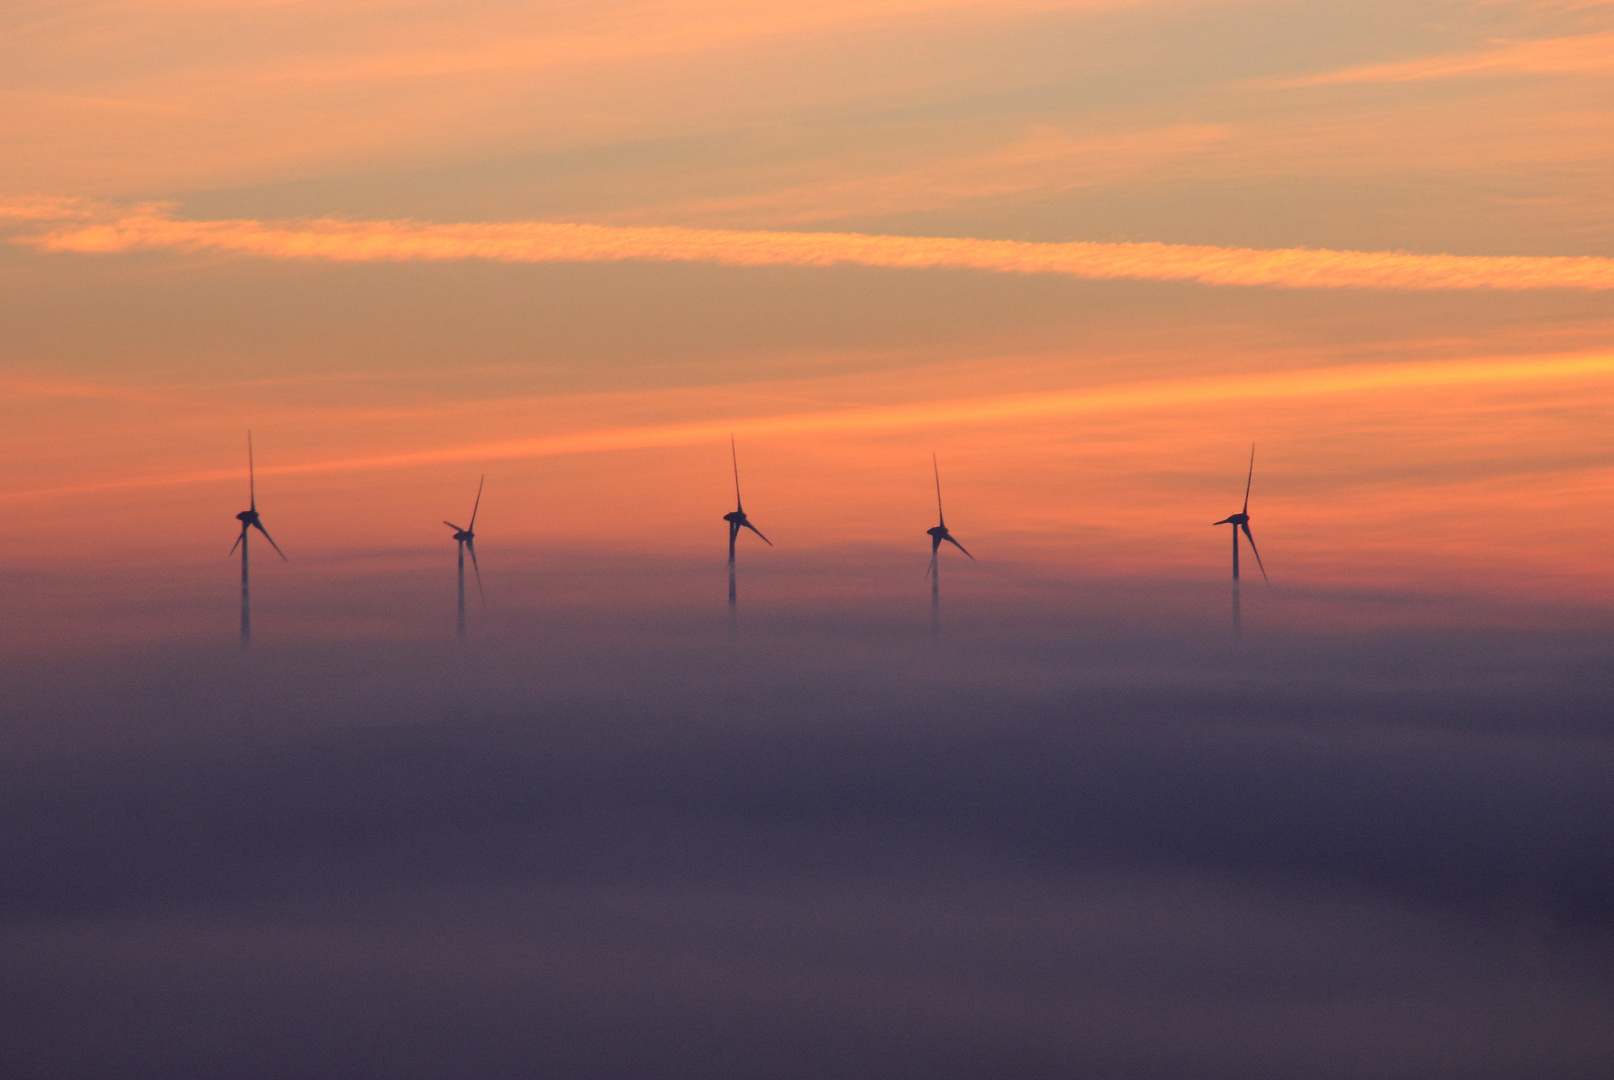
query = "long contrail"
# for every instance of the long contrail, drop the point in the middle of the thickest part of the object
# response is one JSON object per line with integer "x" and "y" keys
{"x": 539, "y": 241}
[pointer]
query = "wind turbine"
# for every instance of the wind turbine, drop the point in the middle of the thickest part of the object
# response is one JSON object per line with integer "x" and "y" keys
{"x": 937, "y": 535}
{"x": 249, "y": 520}
{"x": 467, "y": 540}
{"x": 1241, "y": 520}
{"x": 737, "y": 521}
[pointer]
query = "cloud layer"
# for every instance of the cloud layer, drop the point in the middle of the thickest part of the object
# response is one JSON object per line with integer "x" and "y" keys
{"x": 1051, "y": 840}
{"x": 539, "y": 241}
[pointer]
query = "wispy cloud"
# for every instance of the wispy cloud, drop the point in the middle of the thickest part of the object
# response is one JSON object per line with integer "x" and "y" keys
{"x": 25, "y": 388}
{"x": 45, "y": 209}
{"x": 1044, "y": 162}
{"x": 1581, "y": 54}
{"x": 150, "y": 95}
{"x": 537, "y": 241}
{"x": 1155, "y": 396}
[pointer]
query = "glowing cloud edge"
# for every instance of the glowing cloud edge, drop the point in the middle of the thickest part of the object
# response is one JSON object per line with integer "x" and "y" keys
{"x": 1163, "y": 396}
{"x": 540, "y": 242}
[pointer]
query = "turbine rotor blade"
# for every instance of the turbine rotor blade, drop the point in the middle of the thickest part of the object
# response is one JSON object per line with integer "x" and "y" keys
{"x": 931, "y": 569}
{"x": 1248, "y": 480}
{"x": 758, "y": 531}
{"x": 269, "y": 538}
{"x": 949, "y": 538}
{"x": 252, "y": 480}
{"x": 470, "y": 545}
{"x": 453, "y": 526}
{"x": 239, "y": 537}
{"x": 734, "y": 456}
{"x": 935, "y": 468}
{"x": 478, "y": 504}
{"x": 1251, "y": 538}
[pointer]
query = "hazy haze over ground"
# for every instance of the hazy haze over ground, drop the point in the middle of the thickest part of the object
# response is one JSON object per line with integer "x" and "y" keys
{"x": 1079, "y": 832}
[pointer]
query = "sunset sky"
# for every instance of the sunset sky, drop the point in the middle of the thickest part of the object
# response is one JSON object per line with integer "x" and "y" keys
{"x": 1087, "y": 253}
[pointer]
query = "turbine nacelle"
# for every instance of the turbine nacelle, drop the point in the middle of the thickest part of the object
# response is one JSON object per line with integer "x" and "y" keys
{"x": 737, "y": 521}
{"x": 466, "y": 539}
{"x": 938, "y": 532}
{"x": 467, "y": 534}
{"x": 736, "y": 517}
{"x": 1241, "y": 523}
{"x": 249, "y": 520}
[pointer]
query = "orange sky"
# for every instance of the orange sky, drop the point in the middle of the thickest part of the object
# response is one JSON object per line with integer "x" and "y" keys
{"x": 1086, "y": 251}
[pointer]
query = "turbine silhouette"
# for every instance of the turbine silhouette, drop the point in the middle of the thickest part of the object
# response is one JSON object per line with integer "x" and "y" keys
{"x": 937, "y": 535}
{"x": 249, "y": 520}
{"x": 737, "y": 521}
{"x": 1241, "y": 521}
{"x": 467, "y": 540}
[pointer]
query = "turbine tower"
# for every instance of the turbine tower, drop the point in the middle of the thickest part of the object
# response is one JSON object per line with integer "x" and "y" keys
{"x": 737, "y": 521}
{"x": 466, "y": 538}
{"x": 1241, "y": 521}
{"x": 249, "y": 520}
{"x": 937, "y": 535}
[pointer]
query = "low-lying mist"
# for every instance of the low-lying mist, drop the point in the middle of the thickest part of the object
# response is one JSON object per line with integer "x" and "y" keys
{"x": 1075, "y": 828}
